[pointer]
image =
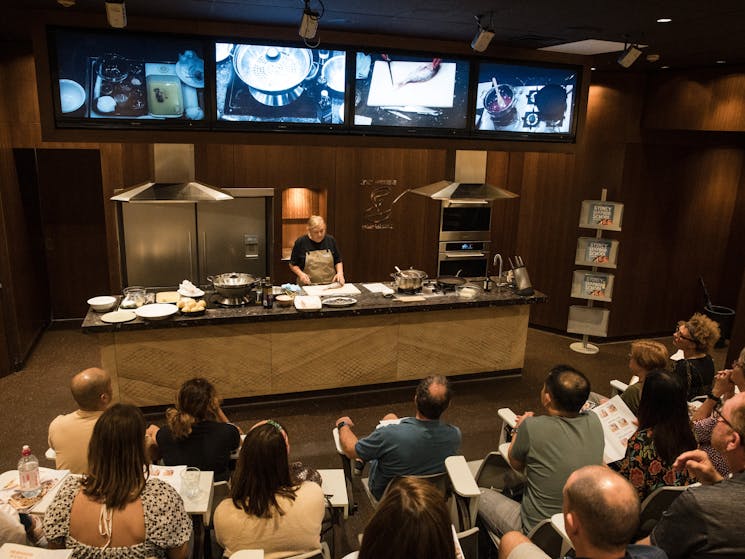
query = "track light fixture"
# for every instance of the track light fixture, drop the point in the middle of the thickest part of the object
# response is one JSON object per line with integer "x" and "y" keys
{"x": 116, "y": 13}
{"x": 309, "y": 22}
{"x": 629, "y": 55}
{"x": 484, "y": 35}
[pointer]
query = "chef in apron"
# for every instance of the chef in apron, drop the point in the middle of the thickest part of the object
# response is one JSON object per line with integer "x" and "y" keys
{"x": 315, "y": 256}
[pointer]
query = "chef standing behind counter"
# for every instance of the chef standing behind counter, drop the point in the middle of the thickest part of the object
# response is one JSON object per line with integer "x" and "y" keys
{"x": 315, "y": 257}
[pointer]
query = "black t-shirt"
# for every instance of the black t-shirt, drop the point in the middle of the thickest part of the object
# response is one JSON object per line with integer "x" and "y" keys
{"x": 700, "y": 371}
{"x": 208, "y": 447}
{"x": 303, "y": 245}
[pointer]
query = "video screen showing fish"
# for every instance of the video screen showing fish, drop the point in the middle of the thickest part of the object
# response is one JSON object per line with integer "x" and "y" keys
{"x": 407, "y": 91}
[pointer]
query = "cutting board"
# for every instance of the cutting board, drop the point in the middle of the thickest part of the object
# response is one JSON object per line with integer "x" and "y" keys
{"x": 323, "y": 290}
{"x": 437, "y": 92}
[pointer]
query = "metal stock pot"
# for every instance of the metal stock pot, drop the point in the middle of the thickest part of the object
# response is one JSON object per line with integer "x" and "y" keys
{"x": 409, "y": 280}
{"x": 232, "y": 284}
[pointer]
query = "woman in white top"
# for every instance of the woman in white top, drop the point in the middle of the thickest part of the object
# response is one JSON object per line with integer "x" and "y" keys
{"x": 266, "y": 509}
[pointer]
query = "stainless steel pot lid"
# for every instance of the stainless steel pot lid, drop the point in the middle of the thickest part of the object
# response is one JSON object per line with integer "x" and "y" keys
{"x": 411, "y": 274}
{"x": 232, "y": 279}
{"x": 272, "y": 69}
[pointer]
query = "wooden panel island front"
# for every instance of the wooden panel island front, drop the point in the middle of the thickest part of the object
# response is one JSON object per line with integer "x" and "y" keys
{"x": 250, "y": 351}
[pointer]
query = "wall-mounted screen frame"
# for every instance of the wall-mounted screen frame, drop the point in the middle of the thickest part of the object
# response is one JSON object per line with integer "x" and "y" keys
{"x": 279, "y": 86}
{"x": 410, "y": 93}
{"x": 526, "y": 101}
{"x": 110, "y": 79}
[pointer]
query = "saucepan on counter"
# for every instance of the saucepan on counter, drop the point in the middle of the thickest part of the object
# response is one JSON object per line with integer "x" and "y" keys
{"x": 408, "y": 280}
{"x": 233, "y": 284}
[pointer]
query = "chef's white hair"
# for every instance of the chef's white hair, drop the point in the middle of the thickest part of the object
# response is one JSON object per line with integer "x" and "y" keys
{"x": 315, "y": 221}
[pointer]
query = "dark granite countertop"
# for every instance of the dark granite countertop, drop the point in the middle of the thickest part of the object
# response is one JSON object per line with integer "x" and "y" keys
{"x": 367, "y": 304}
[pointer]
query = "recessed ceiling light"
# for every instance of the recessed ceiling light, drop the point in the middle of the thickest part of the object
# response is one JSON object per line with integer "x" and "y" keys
{"x": 664, "y": 20}
{"x": 593, "y": 68}
{"x": 664, "y": 67}
{"x": 721, "y": 62}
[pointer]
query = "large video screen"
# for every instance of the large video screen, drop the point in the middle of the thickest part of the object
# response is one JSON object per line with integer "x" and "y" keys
{"x": 410, "y": 93}
{"x": 105, "y": 77}
{"x": 529, "y": 100}
{"x": 281, "y": 85}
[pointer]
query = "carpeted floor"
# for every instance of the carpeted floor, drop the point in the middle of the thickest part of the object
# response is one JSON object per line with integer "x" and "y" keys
{"x": 34, "y": 396}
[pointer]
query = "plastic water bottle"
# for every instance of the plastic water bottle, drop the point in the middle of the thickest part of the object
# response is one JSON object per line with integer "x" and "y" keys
{"x": 28, "y": 473}
{"x": 324, "y": 108}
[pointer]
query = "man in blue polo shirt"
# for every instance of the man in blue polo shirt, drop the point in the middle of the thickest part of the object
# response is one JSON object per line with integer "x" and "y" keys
{"x": 412, "y": 446}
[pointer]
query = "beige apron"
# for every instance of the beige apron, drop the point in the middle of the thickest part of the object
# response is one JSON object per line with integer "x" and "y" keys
{"x": 319, "y": 265}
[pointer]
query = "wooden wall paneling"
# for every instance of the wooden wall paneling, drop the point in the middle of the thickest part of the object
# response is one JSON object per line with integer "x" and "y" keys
{"x": 504, "y": 169}
{"x": 547, "y": 234}
{"x": 74, "y": 224}
{"x": 21, "y": 98}
{"x": 22, "y": 270}
{"x": 733, "y": 276}
{"x": 215, "y": 164}
{"x": 737, "y": 340}
{"x": 412, "y": 242}
{"x": 697, "y": 100}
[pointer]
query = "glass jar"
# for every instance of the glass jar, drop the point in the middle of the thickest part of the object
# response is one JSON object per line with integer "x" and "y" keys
{"x": 134, "y": 297}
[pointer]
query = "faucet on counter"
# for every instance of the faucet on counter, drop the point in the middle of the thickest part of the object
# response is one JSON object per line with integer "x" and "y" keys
{"x": 498, "y": 258}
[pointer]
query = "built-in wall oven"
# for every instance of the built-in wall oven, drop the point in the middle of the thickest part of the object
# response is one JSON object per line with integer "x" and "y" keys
{"x": 465, "y": 233}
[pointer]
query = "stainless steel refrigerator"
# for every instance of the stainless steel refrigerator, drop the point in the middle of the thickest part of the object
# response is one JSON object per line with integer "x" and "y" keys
{"x": 166, "y": 243}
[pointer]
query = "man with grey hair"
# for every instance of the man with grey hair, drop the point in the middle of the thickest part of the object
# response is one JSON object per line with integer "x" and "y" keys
{"x": 410, "y": 446}
{"x": 70, "y": 434}
{"x": 601, "y": 516}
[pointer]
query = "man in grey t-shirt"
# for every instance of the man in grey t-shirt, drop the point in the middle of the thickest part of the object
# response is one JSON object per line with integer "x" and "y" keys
{"x": 547, "y": 449}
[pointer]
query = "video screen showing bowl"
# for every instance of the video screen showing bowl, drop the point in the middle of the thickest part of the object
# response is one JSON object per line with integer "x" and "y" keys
{"x": 410, "y": 91}
{"x": 279, "y": 84}
{"x": 526, "y": 99}
{"x": 112, "y": 76}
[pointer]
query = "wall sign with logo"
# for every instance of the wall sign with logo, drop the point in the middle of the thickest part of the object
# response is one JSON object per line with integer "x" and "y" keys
{"x": 377, "y": 201}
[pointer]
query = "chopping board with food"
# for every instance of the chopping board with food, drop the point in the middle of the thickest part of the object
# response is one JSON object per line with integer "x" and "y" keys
{"x": 331, "y": 289}
{"x": 400, "y": 83}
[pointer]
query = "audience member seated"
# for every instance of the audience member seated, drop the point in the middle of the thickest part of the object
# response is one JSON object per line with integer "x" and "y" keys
{"x": 116, "y": 511}
{"x": 414, "y": 446}
{"x": 645, "y": 356}
{"x": 547, "y": 449}
{"x": 411, "y": 522}
{"x": 706, "y": 521}
{"x": 703, "y": 419}
{"x": 664, "y": 433}
{"x": 601, "y": 515}
{"x": 69, "y": 434}
{"x": 197, "y": 433}
{"x": 267, "y": 509}
{"x": 695, "y": 338}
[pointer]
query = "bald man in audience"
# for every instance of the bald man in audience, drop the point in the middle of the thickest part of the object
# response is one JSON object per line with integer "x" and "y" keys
{"x": 601, "y": 516}
{"x": 706, "y": 522}
{"x": 70, "y": 434}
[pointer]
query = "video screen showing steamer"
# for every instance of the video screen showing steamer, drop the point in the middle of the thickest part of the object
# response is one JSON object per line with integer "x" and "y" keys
{"x": 521, "y": 101}
{"x": 280, "y": 85}
{"x": 410, "y": 93}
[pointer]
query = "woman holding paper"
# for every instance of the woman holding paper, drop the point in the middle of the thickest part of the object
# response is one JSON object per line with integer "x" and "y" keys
{"x": 664, "y": 433}
{"x": 116, "y": 511}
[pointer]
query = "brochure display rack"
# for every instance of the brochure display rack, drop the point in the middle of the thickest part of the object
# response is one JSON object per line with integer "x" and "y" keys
{"x": 593, "y": 285}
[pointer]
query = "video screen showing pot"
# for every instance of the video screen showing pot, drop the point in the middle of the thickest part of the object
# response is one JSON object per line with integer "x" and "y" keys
{"x": 408, "y": 92}
{"x": 527, "y": 99}
{"x": 103, "y": 76}
{"x": 279, "y": 84}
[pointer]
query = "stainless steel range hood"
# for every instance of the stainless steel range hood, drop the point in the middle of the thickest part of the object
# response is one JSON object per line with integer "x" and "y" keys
{"x": 173, "y": 179}
{"x": 469, "y": 186}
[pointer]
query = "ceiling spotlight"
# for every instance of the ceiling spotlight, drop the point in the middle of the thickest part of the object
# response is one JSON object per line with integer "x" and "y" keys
{"x": 629, "y": 56}
{"x": 483, "y": 36}
{"x": 653, "y": 57}
{"x": 664, "y": 20}
{"x": 116, "y": 13}
{"x": 66, "y": 3}
{"x": 309, "y": 22}
{"x": 721, "y": 62}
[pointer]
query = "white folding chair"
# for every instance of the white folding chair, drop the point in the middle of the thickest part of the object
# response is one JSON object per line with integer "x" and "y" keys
{"x": 655, "y": 504}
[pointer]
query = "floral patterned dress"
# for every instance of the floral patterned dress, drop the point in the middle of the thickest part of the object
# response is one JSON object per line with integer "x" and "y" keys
{"x": 644, "y": 468}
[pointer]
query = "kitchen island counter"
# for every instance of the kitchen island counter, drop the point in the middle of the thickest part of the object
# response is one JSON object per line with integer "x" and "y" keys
{"x": 250, "y": 351}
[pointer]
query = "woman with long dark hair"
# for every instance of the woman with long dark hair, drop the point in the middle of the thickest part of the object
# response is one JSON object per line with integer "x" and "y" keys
{"x": 664, "y": 433}
{"x": 267, "y": 509}
{"x": 411, "y": 522}
{"x": 116, "y": 511}
{"x": 197, "y": 433}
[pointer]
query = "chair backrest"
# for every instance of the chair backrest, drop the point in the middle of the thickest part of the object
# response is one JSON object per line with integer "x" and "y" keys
{"x": 545, "y": 536}
{"x": 655, "y": 504}
{"x": 219, "y": 492}
{"x": 469, "y": 543}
